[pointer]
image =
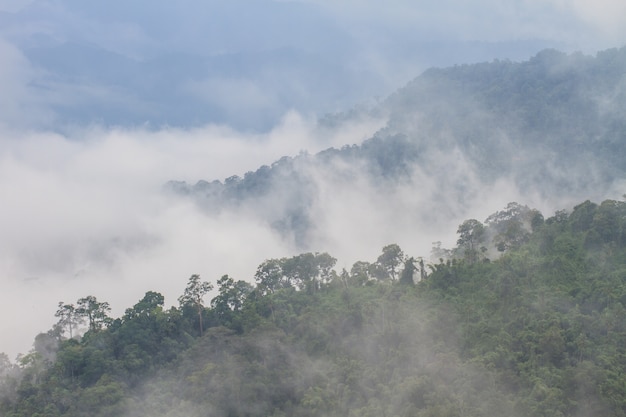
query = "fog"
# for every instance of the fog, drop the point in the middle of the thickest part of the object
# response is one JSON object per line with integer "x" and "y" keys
{"x": 86, "y": 214}
{"x": 102, "y": 105}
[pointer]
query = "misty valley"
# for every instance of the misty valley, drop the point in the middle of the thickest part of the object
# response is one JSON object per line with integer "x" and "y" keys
{"x": 523, "y": 314}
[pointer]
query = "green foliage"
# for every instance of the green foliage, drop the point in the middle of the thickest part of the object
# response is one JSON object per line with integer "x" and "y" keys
{"x": 471, "y": 237}
{"x": 94, "y": 311}
{"x": 193, "y": 298}
{"x": 539, "y": 331}
{"x": 511, "y": 227}
{"x": 227, "y": 306}
{"x": 68, "y": 317}
{"x": 389, "y": 261}
{"x": 407, "y": 273}
{"x": 307, "y": 271}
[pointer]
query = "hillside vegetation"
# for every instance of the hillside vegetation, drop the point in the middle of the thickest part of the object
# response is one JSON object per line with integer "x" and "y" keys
{"x": 525, "y": 316}
{"x": 553, "y": 126}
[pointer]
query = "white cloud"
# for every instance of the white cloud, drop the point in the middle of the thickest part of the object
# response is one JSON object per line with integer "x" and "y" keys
{"x": 84, "y": 214}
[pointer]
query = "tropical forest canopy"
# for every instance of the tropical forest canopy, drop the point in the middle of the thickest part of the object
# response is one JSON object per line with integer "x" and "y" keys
{"x": 524, "y": 316}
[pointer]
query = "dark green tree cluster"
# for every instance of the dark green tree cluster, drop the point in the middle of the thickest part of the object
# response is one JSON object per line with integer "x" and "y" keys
{"x": 537, "y": 330}
{"x": 545, "y": 314}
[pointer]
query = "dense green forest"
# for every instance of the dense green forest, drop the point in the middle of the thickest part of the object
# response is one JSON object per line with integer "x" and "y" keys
{"x": 524, "y": 316}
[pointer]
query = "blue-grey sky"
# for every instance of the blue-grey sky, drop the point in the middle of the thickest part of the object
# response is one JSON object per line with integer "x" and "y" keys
{"x": 248, "y": 62}
{"x": 101, "y": 102}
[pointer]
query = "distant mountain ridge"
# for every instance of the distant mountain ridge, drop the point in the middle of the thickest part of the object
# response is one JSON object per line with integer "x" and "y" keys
{"x": 565, "y": 103}
{"x": 553, "y": 125}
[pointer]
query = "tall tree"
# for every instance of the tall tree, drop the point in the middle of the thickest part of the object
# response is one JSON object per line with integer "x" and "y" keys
{"x": 9, "y": 378}
{"x": 406, "y": 277}
{"x": 68, "y": 317}
{"x": 390, "y": 260}
{"x": 194, "y": 296}
{"x": 149, "y": 305}
{"x": 511, "y": 227}
{"x": 361, "y": 273}
{"x": 471, "y": 235}
{"x": 269, "y": 276}
{"x": 94, "y": 311}
{"x": 607, "y": 220}
{"x": 232, "y": 295}
{"x": 325, "y": 264}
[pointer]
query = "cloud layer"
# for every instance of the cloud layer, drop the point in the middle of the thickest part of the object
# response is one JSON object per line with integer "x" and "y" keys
{"x": 85, "y": 214}
{"x": 89, "y": 217}
{"x": 90, "y": 94}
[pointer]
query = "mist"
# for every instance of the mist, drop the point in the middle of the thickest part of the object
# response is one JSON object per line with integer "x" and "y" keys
{"x": 102, "y": 105}
{"x": 86, "y": 214}
{"x": 117, "y": 118}
{"x": 86, "y": 211}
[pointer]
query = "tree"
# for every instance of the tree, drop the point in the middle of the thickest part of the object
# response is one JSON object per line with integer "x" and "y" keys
{"x": 361, "y": 273}
{"x": 9, "y": 378}
{"x": 309, "y": 270}
{"x": 230, "y": 299}
{"x": 305, "y": 271}
{"x": 68, "y": 317}
{"x": 302, "y": 271}
{"x": 407, "y": 273}
{"x": 581, "y": 220}
{"x": 471, "y": 235}
{"x": 511, "y": 227}
{"x": 423, "y": 273}
{"x": 325, "y": 264}
{"x": 194, "y": 295}
{"x": 95, "y": 312}
{"x": 149, "y": 305}
{"x": 391, "y": 258}
{"x": 269, "y": 277}
{"x": 607, "y": 220}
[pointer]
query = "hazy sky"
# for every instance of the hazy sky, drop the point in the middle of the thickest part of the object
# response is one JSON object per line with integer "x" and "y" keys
{"x": 102, "y": 102}
{"x": 247, "y": 62}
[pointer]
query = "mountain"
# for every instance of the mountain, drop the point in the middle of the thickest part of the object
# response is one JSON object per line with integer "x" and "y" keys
{"x": 552, "y": 127}
{"x": 521, "y": 316}
{"x": 510, "y": 118}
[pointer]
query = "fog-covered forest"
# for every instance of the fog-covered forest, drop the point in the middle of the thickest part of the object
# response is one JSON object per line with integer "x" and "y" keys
{"x": 553, "y": 127}
{"x": 522, "y": 315}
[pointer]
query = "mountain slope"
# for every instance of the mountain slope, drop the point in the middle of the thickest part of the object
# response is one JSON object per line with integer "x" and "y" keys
{"x": 551, "y": 128}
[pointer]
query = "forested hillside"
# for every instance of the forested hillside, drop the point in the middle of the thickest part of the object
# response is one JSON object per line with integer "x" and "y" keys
{"x": 524, "y": 316}
{"x": 553, "y": 126}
